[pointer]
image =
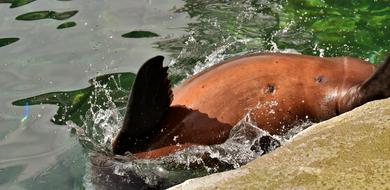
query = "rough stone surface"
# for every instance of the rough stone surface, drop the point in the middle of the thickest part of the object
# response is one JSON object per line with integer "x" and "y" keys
{"x": 351, "y": 151}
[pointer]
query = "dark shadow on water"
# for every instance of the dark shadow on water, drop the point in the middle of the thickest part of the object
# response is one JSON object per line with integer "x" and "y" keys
{"x": 73, "y": 105}
{"x": 46, "y": 15}
{"x": 67, "y": 25}
{"x": 140, "y": 34}
{"x": 7, "y": 41}
{"x": 17, "y": 3}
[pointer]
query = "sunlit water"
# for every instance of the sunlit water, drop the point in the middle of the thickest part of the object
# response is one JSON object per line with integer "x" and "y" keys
{"x": 67, "y": 131}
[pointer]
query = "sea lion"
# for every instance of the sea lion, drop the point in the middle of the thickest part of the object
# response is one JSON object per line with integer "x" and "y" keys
{"x": 276, "y": 90}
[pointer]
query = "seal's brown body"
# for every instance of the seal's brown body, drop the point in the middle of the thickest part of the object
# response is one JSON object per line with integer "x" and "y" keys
{"x": 275, "y": 90}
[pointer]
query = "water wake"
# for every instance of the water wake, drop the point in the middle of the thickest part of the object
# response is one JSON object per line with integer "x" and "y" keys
{"x": 101, "y": 123}
{"x": 245, "y": 143}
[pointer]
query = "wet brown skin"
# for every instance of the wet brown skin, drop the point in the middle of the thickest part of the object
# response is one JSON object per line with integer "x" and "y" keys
{"x": 277, "y": 90}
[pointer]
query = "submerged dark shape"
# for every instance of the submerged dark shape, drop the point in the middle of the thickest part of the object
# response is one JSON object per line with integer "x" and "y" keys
{"x": 206, "y": 106}
{"x": 66, "y": 25}
{"x": 17, "y": 3}
{"x": 140, "y": 34}
{"x": 46, "y": 15}
{"x": 7, "y": 41}
{"x": 74, "y": 104}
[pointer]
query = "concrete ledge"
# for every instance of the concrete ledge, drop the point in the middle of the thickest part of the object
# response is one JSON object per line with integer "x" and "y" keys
{"x": 351, "y": 151}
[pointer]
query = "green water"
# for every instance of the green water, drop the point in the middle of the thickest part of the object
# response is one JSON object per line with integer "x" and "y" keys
{"x": 50, "y": 50}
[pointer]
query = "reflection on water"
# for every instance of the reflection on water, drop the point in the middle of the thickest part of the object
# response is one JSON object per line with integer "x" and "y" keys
{"x": 17, "y": 3}
{"x": 37, "y": 154}
{"x": 140, "y": 34}
{"x": 326, "y": 28}
{"x": 356, "y": 28}
{"x": 73, "y": 105}
{"x": 66, "y": 25}
{"x": 45, "y": 15}
{"x": 101, "y": 46}
{"x": 7, "y": 41}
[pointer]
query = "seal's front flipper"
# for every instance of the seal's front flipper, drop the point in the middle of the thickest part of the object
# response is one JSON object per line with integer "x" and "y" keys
{"x": 378, "y": 85}
{"x": 150, "y": 97}
{"x": 374, "y": 88}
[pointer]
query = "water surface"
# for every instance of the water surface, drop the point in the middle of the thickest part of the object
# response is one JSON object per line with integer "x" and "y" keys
{"x": 54, "y": 65}
{"x": 36, "y": 153}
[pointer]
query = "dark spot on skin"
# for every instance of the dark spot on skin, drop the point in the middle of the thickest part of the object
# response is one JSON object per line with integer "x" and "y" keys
{"x": 319, "y": 79}
{"x": 271, "y": 88}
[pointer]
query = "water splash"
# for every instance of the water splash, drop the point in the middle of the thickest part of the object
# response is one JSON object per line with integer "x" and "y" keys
{"x": 103, "y": 120}
{"x": 245, "y": 143}
{"x": 218, "y": 55}
{"x": 100, "y": 123}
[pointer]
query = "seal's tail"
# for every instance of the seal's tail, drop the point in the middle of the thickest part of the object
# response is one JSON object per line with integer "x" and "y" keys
{"x": 378, "y": 85}
{"x": 150, "y": 97}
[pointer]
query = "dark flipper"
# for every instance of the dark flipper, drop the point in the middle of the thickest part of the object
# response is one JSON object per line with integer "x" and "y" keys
{"x": 375, "y": 88}
{"x": 150, "y": 97}
{"x": 378, "y": 85}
